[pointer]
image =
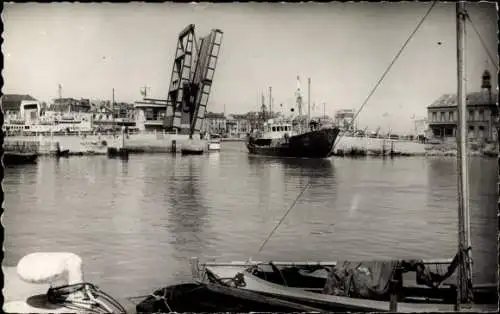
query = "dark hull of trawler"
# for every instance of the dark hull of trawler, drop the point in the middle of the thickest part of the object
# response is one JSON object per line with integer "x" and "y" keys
{"x": 313, "y": 144}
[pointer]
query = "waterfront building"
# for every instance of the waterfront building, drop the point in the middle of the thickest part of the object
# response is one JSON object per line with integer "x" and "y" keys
{"x": 70, "y": 105}
{"x": 20, "y": 111}
{"x": 106, "y": 117}
{"x": 150, "y": 114}
{"x": 421, "y": 127}
{"x": 16, "y": 106}
{"x": 215, "y": 123}
{"x": 482, "y": 115}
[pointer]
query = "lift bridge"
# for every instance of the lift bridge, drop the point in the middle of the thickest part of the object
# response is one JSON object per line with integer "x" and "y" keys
{"x": 191, "y": 80}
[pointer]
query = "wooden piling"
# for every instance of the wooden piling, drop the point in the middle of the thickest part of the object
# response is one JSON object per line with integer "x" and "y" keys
{"x": 174, "y": 146}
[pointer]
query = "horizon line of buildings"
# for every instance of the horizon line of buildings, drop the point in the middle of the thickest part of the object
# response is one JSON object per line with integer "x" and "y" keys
{"x": 149, "y": 115}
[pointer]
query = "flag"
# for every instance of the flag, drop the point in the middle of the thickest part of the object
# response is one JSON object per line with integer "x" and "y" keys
{"x": 281, "y": 105}
{"x": 385, "y": 115}
{"x": 143, "y": 92}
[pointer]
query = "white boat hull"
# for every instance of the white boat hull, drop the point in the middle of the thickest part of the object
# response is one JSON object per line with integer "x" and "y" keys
{"x": 214, "y": 146}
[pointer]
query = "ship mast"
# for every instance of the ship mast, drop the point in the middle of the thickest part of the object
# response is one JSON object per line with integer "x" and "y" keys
{"x": 308, "y": 100}
{"x": 270, "y": 102}
{"x": 59, "y": 90}
{"x": 299, "y": 97}
{"x": 464, "y": 292}
{"x": 113, "y": 110}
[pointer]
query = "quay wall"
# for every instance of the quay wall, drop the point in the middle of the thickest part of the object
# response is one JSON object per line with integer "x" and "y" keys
{"x": 163, "y": 143}
{"x": 375, "y": 146}
{"x": 364, "y": 146}
{"x": 148, "y": 142}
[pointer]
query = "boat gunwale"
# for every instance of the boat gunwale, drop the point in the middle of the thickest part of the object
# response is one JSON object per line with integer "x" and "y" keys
{"x": 333, "y": 300}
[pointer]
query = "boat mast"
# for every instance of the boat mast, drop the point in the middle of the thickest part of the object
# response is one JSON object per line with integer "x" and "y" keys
{"x": 113, "y": 110}
{"x": 59, "y": 90}
{"x": 299, "y": 97}
{"x": 308, "y": 99}
{"x": 464, "y": 291}
{"x": 270, "y": 102}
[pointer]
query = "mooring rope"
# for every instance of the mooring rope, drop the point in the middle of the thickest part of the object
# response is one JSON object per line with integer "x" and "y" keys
{"x": 389, "y": 67}
{"x": 84, "y": 296}
{"x": 284, "y": 216}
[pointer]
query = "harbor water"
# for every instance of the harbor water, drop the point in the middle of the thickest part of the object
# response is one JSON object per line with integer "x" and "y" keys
{"x": 136, "y": 223}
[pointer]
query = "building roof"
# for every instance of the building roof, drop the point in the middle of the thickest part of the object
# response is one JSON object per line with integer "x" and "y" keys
{"x": 475, "y": 98}
{"x": 213, "y": 115}
{"x": 13, "y": 101}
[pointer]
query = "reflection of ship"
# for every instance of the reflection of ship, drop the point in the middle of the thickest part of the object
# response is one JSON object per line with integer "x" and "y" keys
{"x": 295, "y": 166}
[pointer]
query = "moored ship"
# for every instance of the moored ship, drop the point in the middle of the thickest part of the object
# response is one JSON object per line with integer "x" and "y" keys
{"x": 279, "y": 139}
{"x": 298, "y": 136}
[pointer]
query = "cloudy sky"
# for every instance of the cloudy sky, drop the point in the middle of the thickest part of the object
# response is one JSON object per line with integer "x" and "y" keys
{"x": 344, "y": 47}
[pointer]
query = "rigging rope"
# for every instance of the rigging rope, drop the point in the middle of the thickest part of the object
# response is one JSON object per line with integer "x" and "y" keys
{"x": 284, "y": 216}
{"x": 390, "y": 66}
{"x": 482, "y": 41}
{"x": 355, "y": 116}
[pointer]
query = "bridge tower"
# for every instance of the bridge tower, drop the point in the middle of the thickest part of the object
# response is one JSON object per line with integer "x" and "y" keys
{"x": 191, "y": 80}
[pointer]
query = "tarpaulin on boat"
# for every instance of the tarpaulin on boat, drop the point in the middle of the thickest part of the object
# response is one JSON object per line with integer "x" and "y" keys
{"x": 361, "y": 279}
{"x": 372, "y": 279}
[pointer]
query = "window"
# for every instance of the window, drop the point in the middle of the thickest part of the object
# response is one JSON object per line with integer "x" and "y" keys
{"x": 481, "y": 115}
{"x": 274, "y": 129}
{"x": 471, "y": 115}
{"x": 442, "y": 116}
{"x": 434, "y": 116}
{"x": 451, "y": 116}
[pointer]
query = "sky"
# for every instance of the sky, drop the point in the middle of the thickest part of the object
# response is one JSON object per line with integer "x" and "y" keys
{"x": 343, "y": 47}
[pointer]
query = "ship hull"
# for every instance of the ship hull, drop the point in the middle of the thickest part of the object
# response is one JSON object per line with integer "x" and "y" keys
{"x": 14, "y": 158}
{"x": 313, "y": 144}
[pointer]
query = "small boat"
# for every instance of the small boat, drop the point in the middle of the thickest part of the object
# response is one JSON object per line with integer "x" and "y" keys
{"x": 214, "y": 143}
{"x": 192, "y": 151}
{"x": 62, "y": 153}
{"x": 348, "y": 286}
{"x": 117, "y": 152}
{"x": 19, "y": 158}
{"x": 210, "y": 298}
{"x": 280, "y": 140}
{"x": 192, "y": 148}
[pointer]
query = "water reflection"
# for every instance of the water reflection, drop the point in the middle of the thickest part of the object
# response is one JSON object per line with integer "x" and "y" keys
{"x": 187, "y": 213}
{"x": 442, "y": 204}
{"x": 136, "y": 224}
